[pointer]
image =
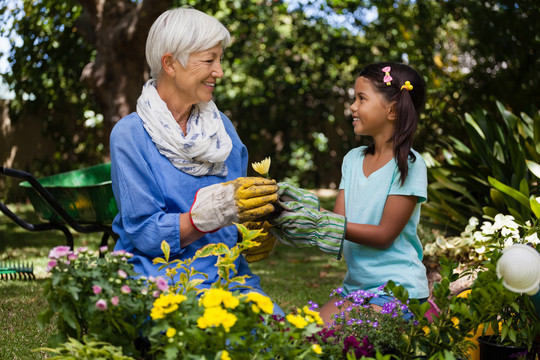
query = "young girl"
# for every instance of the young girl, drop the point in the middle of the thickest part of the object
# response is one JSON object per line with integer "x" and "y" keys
{"x": 382, "y": 187}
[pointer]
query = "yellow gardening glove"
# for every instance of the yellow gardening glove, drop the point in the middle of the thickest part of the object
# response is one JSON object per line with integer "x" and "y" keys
{"x": 266, "y": 239}
{"x": 240, "y": 200}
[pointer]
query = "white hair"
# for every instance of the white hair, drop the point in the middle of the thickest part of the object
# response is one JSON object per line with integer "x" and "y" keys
{"x": 181, "y": 32}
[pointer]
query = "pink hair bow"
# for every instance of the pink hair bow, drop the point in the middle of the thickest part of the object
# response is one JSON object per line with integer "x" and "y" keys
{"x": 387, "y": 78}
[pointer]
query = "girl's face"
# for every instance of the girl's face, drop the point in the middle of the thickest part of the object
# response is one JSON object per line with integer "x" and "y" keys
{"x": 372, "y": 114}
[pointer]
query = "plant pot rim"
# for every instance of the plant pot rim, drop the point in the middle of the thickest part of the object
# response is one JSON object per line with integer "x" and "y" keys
{"x": 489, "y": 339}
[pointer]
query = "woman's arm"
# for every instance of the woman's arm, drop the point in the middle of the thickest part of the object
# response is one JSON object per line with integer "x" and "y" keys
{"x": 396, "y": 214}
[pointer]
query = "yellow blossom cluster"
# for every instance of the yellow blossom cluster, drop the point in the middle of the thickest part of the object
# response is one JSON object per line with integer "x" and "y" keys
{"x": 260, "y": 302}
{"x": 165, "y": 304}
{"x": 215, "y": 316}
{"x": 301, "y": 321}
{"x": 216, "y": 297}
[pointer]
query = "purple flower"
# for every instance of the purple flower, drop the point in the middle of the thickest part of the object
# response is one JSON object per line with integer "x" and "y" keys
{"x": 115, "y": 300}
{"x": 352, "y": 344}
{"x": 122, "y": 274}
{"x": 59, "y": 251}
{"x": 125, "y": 289}
{"x": 51, "y": 264}
{"x": 162, "y": 284}
{"x": 96, "y": 289}
{"x": 101, "y": 304}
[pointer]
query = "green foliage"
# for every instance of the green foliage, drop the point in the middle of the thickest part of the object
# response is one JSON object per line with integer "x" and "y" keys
{"x": 87, "y": 349}
{"x": 488, "y": 171}
{"x": 97, "y": 296}
{"x": 45, "y": 77}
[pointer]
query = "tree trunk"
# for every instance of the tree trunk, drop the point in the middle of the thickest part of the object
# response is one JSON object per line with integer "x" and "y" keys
{"x": 118, "y": 30}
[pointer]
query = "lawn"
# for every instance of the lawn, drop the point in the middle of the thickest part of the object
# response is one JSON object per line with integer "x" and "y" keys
{"x": 305, "y": 274}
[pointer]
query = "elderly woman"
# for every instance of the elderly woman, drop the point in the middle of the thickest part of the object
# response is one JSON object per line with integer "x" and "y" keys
{"x": 178, "y": 165}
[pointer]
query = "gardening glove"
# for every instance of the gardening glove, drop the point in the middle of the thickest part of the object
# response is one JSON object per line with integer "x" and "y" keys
{"x": 287, "y": 192}
{"x": 240, "y": 200}
{"x": 266, "y": 239}
{"x": 301, "y": 226}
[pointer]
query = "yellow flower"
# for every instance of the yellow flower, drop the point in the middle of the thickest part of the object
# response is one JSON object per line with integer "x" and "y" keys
{"x": 171, "y": 332}
{"x": 216, "y": 316}
{"x": 165, "y": 304}
{"x": 261, "y": 302}
{"x": 426, "y": 330}
{"x": 216, "y": 297}
{"x": 316, "y": 349}
{"x": 262, "y": 167}
{"x": 313, "y": 316}
{"x": 297, "y": 321}
{"x": 225, "y": 355}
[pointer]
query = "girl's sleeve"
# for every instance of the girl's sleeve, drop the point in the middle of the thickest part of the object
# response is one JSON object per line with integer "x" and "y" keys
{"x": 416, "y": 182}
{"x": 141, "y": 204}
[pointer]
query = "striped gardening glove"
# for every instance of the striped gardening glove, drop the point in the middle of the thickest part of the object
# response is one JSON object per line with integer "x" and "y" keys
{"x": 300, "y": 226}
{"x": 266, "y": 239}
{"x": 287, "y": 192}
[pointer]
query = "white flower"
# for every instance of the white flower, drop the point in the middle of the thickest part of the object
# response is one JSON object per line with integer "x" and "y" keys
{"x": 473, "y": 221}
{"x": 504, "y": 221}
{"x": 533, "y": 238}
{"x": 487, "y": 228}
{"x": 480, "y": 237}
{"x": 480, "y": 250}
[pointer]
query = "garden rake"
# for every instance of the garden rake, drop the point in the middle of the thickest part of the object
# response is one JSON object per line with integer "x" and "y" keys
{"x": 11, "y": 270}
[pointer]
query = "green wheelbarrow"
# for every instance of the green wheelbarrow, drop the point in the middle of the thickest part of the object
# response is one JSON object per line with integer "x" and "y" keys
{"x": 82, "y": 199}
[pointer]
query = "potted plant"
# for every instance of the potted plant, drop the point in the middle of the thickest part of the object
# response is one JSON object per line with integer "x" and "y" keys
{"x": 515, "y": 323}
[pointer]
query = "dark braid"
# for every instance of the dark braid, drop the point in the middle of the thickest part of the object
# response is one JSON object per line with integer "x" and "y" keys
{"x": 408, "y": 104}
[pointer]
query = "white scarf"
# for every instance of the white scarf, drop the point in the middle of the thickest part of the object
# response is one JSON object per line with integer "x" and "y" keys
{"x": 205, "y": 148}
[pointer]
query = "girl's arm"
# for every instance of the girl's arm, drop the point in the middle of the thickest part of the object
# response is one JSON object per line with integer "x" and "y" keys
{"x": 396, "y": 214}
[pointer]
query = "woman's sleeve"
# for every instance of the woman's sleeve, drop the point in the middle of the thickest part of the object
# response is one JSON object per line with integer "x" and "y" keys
{"x": 144, "y": 217}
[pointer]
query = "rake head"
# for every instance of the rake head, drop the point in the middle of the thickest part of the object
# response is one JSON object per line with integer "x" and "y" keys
{"x": 11, "y": 270}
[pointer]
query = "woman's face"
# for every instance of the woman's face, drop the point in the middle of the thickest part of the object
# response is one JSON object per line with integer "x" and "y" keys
{"x": 197, "y": 80}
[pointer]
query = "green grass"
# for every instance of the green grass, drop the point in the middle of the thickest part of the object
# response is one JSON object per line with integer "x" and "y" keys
{"x": 291, "y": 277}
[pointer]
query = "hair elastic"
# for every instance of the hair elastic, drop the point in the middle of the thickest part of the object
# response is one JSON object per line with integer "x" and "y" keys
{"x": 407, "y": 86}
{"x": 387, "y": 78}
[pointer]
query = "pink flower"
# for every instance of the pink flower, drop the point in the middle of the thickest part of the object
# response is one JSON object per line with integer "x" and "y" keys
{"x": 122, "y": 274}
{"x": 96, "y": 289}
{"x": 155, "y": 294}
{"x": 162, "y": 284}
{"x": 51, "y": 264}
{"x": 59, "y": 251}
{"x": 101, "y": 304}
{"x": 115, "y": 300}
{"x": 72, "y": 257}
{"x": 103, "y": 249}
{"x": 125, "y": 289}
{"x": 82, "y": 249}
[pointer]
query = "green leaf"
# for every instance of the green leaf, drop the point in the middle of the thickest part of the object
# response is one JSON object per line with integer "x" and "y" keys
{"x": 470, "y": 120}
{"x": 535, "y": 207}
{"x": 533, "y": 167}
{"x": 166, "y": 250}
{"x": 524, "y": 200}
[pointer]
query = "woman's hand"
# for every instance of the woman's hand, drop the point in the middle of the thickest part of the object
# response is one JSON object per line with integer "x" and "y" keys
{"x": 240, "y": 200}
